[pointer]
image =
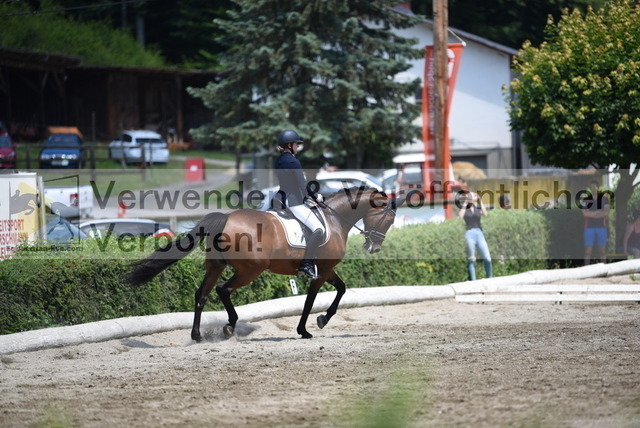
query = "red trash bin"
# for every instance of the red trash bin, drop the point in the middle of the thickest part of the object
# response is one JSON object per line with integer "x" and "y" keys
{"x": 194, "y": 169}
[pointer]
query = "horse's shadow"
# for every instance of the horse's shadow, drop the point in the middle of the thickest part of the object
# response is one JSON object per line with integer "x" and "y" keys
{"x": 134, "y": 343}
{"x": 272, "y": 339}
{"x": 213, "y": 332}
{"x": 335, "y": 336}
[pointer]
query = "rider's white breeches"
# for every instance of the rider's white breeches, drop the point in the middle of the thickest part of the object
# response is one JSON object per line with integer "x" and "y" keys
{"x": 307, "y": 217}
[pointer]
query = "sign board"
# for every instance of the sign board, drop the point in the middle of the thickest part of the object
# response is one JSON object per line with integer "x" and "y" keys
{"x": 454, "y": 55}
{"x": 21, "y": 213}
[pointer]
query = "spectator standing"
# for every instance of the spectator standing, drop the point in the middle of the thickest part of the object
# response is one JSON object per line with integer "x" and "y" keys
{"x": 471, "y": 212}
{"x": 595, "y": 210}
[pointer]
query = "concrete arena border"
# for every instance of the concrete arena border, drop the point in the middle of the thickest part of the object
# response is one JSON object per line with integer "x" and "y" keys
{"x": 289, "y": 306}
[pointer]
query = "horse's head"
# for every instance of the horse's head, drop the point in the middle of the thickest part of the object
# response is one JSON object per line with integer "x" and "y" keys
{"x": 376, "y": 210}
{"x": 378, "y": 220}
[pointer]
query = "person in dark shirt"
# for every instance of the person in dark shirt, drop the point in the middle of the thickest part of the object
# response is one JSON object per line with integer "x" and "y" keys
{"x": 471, "y": 212}
{"x": 595, "y": 210}
{"x": 293, "y": 191}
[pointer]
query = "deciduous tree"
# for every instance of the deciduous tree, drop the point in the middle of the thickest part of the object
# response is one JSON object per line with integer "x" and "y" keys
{"x": 576, "y": 97}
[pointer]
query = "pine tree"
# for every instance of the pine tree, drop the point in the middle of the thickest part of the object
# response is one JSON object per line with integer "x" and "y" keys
{"x": 325, "y": 68}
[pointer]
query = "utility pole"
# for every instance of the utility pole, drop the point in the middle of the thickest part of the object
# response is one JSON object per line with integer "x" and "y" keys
{"x": 440, "y": 38}
{"x": 441, "y": 116}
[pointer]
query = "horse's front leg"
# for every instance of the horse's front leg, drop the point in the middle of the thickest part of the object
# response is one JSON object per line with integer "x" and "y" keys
{"x": 224, "y": 292}
{"x": 314, "y": 286}
{"x": 337, "y": 282}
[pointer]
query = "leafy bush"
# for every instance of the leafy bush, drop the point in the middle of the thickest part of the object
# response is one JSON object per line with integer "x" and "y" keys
{"x": 40, "y": 289}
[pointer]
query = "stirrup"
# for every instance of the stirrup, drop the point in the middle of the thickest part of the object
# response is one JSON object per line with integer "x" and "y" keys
{"x": 309, "y": 269}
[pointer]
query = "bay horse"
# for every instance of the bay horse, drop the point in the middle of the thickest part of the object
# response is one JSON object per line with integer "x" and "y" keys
{"x": 252, "y": 242}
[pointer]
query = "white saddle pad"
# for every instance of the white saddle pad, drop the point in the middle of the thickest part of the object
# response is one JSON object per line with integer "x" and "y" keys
{"x": 293, "y": 230}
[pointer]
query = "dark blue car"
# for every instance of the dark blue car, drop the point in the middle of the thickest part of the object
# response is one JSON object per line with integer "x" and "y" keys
{"x": 62, "y": 151}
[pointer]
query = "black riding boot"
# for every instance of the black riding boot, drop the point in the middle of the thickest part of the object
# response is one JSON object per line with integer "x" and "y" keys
{"x": 308, "y": 265}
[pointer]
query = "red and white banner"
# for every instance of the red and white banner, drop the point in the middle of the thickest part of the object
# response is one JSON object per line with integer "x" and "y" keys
{"x": 454, "y": 54}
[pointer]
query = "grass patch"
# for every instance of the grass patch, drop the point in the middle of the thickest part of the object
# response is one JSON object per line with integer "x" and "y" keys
{"x": 400, "y": 401}
{"x": 58, "y": 415}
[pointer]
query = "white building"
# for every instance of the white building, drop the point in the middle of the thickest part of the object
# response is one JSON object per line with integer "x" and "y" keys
{"x": 478, "y": 120}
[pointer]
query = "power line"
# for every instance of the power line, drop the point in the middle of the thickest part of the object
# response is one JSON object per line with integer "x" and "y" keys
{"x": 66, "y": 9}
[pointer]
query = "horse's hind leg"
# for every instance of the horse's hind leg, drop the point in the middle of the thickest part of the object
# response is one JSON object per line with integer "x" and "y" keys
{"x": 224, "y": 292}
{"x": 214, "y": 269}
{"x": 337, "y": 282}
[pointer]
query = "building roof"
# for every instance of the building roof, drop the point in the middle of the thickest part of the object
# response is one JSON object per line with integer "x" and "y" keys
{"x": 147, "y": 70}
{"x": 36, "y": 60}
{"x": 22, "y": 58}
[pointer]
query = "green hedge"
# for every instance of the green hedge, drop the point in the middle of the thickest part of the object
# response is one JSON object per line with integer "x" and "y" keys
{"x": 435, "y": 253}
{"x": 38, "y": 290}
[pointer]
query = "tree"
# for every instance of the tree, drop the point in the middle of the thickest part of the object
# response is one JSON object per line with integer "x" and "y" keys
{"x": 326, "y": 69}
{"x": 509, "y": 22}
{"x": 576, "y": 97}
{"x": 183, "y": 31}
{"x": 94, "y": 42}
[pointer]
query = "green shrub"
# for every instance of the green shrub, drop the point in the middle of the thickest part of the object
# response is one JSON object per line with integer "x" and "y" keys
{"x": 41, "y": 289}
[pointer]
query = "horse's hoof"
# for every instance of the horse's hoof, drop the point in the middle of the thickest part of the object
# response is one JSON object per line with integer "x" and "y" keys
{"x": 322, "y": 321}
{"x": 305, "y": 334}
{"x": 196, "y": 336}
{"x": 228, "y": 331}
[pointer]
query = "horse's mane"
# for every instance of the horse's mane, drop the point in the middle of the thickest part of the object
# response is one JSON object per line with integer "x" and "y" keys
{"x": 350, "y": 189}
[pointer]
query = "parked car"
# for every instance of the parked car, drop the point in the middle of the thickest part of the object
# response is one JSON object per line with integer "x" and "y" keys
{"x": 62, "y": 151}
{"x": 7, "y": 151}
{"x": 407, "y": 179}
{"x": 125, "y": 226}
{"x": 396, "y": 180}
{"x": 350, "y": 178}
{"x": 70, "y": 201}
{"x": 59, "y": 229}
{"x": 329, "y": 182}
{"x": 135, "y": 146}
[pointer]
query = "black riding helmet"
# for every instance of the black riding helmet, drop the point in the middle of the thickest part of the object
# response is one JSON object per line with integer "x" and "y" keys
{"x": 288, "y": 136}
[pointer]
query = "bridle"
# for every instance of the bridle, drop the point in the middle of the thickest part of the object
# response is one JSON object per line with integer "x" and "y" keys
{"x": 389, "y": 208}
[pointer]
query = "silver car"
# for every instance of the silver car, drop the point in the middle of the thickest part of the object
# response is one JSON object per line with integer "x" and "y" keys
{"x": 139, "y": 145}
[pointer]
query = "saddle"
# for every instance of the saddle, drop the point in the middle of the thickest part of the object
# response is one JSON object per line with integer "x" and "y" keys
{"x": 295, "y": 231}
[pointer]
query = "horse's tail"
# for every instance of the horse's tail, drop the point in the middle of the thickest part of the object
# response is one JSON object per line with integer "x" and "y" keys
{"x": 145, "y": 269}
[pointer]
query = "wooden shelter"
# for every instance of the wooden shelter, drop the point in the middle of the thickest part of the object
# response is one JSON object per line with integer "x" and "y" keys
{"x": 38, "y": 90}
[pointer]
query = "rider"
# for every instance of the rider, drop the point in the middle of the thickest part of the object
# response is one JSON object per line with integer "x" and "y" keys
{"x": 293, "y": 186}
